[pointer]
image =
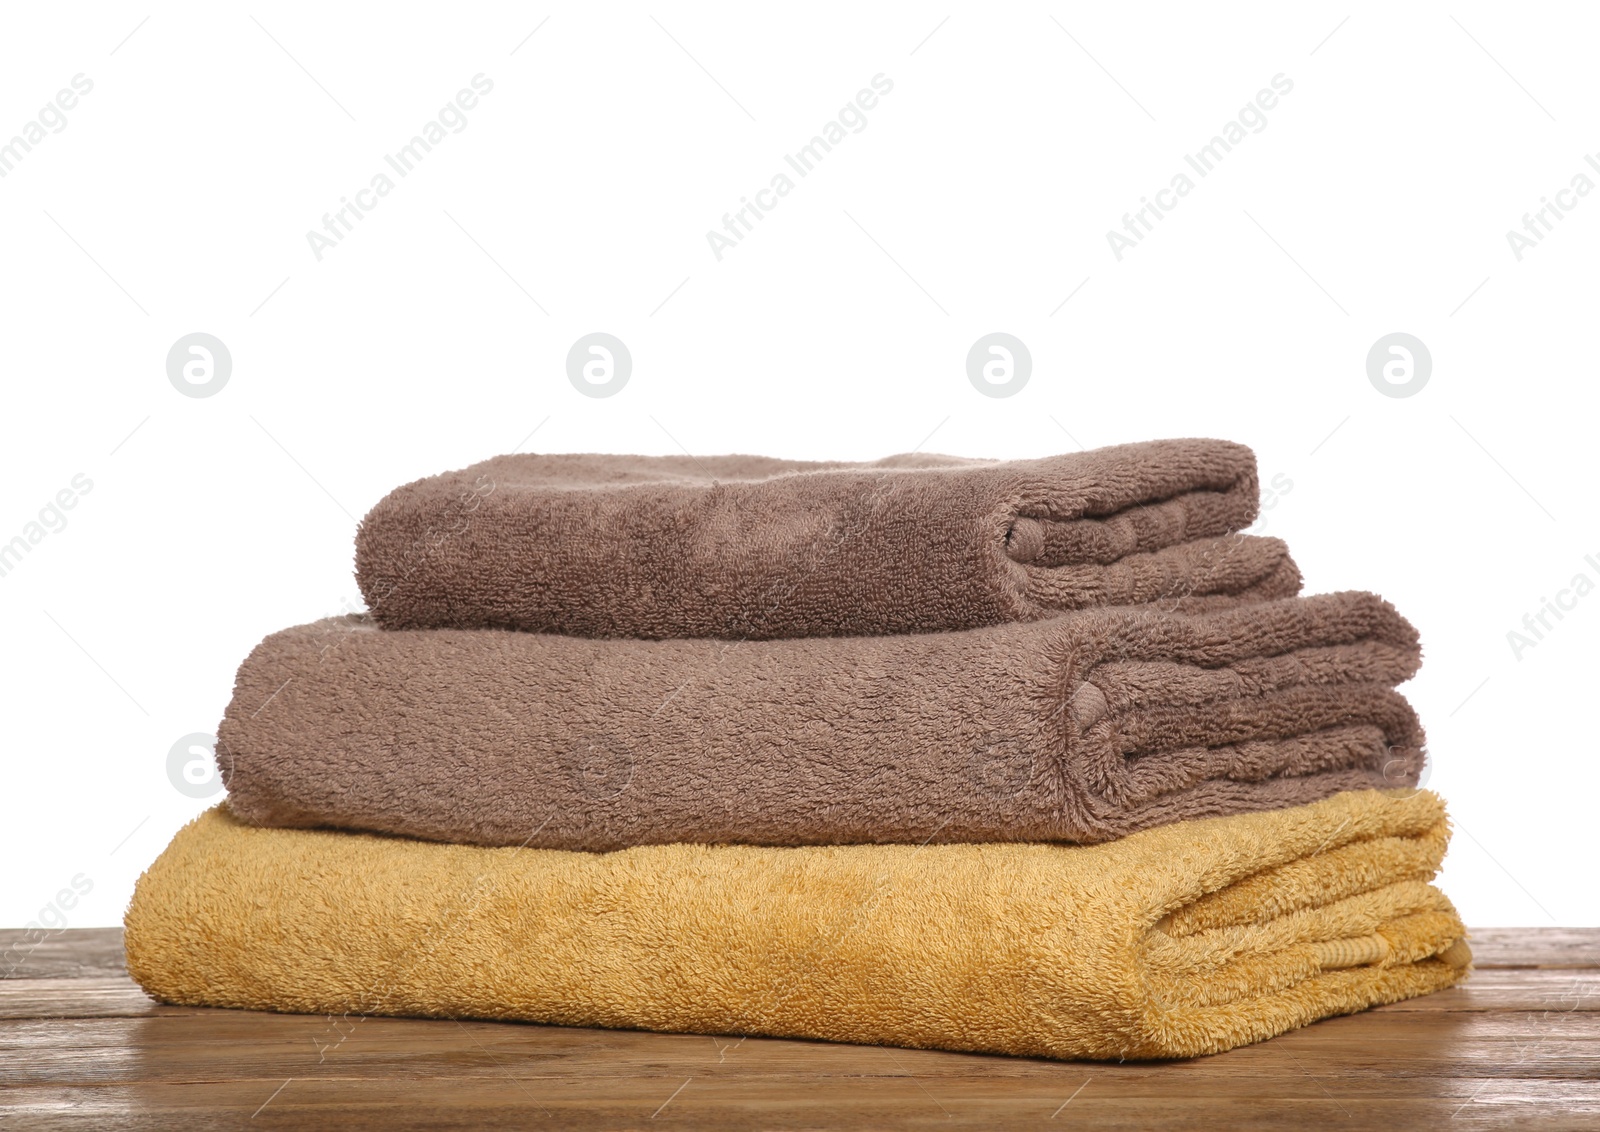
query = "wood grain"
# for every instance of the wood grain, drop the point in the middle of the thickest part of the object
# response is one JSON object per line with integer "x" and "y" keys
{"x": 82, "y": 1047}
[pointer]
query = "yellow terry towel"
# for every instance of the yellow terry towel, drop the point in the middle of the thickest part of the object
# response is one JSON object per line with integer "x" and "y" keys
{"x": 1186, "y": 939}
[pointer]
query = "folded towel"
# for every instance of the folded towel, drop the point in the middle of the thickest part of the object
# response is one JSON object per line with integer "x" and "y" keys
{"x": 750, "y": 547}
{"x": 1183, "y": 940}
{"x": 1081, "y": 728}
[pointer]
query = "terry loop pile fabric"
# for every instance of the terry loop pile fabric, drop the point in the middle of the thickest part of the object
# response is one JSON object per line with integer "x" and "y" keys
{"x": 1186, "y": 939}
{"x": 1081, "y": 728}
{"x": 798, "y": 749}
{"x": 747, "y": 547}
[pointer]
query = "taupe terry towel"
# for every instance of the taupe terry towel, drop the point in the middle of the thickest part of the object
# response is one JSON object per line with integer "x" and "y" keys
{"x": 745, "y": 547}
{"x": 1080, "y": 728}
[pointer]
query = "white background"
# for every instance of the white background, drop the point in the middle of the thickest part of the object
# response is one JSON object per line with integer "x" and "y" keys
{"x": 977, "y": 198}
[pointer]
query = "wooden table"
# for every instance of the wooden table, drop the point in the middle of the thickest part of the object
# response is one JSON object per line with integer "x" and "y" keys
{"x": 82, "y": 1047}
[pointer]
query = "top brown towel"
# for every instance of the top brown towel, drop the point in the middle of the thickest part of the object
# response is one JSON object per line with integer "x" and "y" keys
{"x": 758, "y": 548}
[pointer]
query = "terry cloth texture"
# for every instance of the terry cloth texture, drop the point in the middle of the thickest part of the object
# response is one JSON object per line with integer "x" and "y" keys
{"x": 1081, "y": 728}
{"x": 748, "y": 547}
{"x": 1183, "y": 940}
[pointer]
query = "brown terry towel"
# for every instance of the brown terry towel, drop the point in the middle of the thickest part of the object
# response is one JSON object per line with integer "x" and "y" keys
{"x": 1081, "y": 728}
{"x": 750, "y": 547}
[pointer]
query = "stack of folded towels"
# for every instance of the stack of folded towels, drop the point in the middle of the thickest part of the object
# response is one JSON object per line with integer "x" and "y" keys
{"x": 1035, "y": 757}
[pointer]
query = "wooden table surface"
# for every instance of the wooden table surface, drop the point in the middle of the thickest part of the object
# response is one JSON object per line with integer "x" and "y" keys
{"x": 82, "y": 1047}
